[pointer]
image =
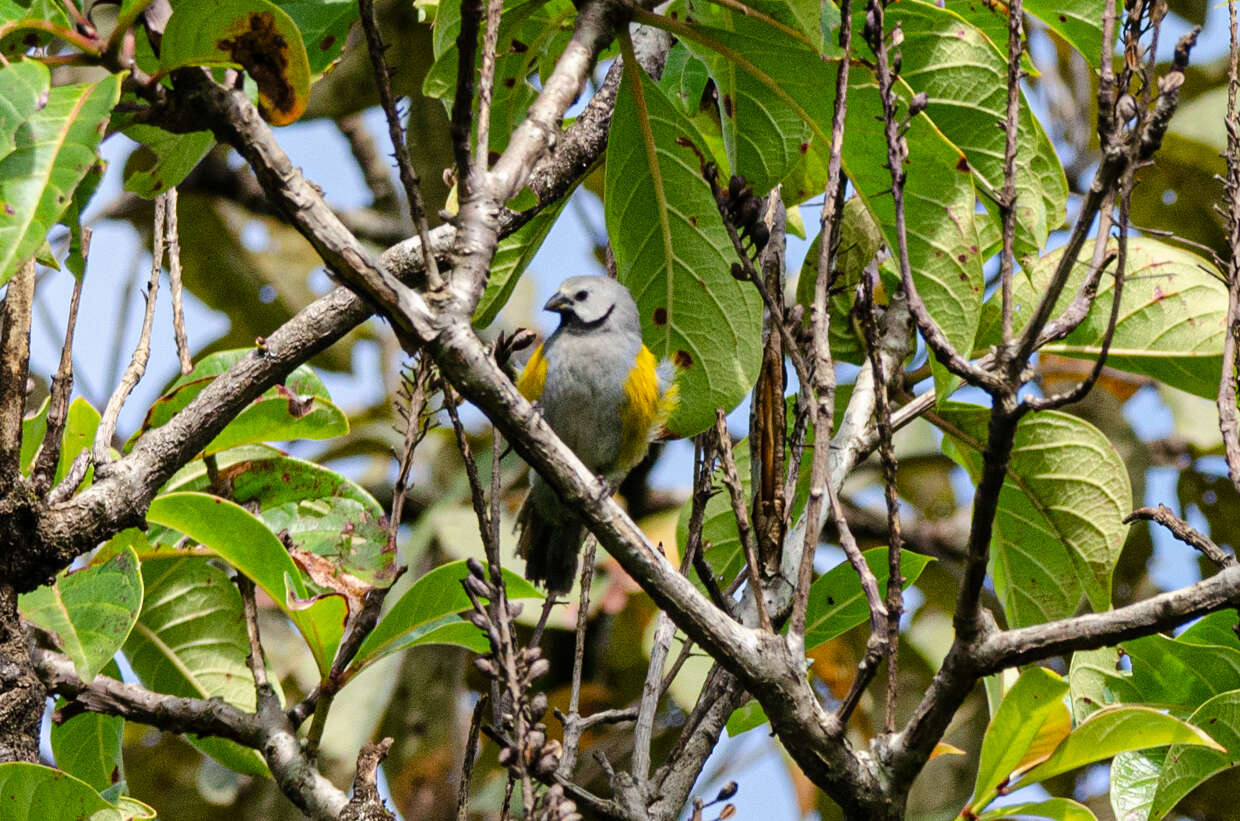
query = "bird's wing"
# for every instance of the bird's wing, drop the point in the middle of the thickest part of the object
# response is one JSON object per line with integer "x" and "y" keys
{"x": 534, "y": 377}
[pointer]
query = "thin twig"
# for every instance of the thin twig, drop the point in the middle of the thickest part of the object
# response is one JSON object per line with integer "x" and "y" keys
{"x": 572, "y": 732}
{"x": 895, "y": 544}
{"x": 741, "y": 512}
{"x": 463, "y": 102}
{"x": 1011, "y": 125}
{"x": 48, "y": 457}
{"x": 486, "y": 85}
{"x": 1185, "y": 532}
{"x": 404, "y": 163}
{"x": 1228, "y": 422}
{"x": 172, "y": 237}
{"x": 467, "y": 765}
{"x": 142, "y": 351}
{"x": 820, "y": 403}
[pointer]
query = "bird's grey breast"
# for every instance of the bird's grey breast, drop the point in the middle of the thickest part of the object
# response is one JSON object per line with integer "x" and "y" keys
{"x": 584, "y": 392}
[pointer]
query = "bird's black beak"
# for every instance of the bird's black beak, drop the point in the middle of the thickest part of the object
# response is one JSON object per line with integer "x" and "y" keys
{"x": 558, "y": 303}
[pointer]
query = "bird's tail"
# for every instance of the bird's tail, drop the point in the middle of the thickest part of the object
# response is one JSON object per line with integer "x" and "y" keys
{"x": 549, "y": 547}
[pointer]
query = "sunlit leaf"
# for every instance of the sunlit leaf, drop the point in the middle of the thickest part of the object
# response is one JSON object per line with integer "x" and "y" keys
{"x": 46, "y": 150}
{"x": 252, "y": 34}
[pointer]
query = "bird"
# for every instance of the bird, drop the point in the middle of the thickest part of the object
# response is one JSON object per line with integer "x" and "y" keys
{"x": 605, "y": 395}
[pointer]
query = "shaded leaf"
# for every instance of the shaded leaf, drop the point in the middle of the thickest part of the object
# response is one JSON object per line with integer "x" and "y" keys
{"x": 836, "y": 601}
{"x": 29, "y": 789}
{"x": 90, "y": 611}
{"x": 162, "y": 159}
{"x": 1059, "y": 528}
{"x": 88, "y": 745}
{"x": 191, "y": 641}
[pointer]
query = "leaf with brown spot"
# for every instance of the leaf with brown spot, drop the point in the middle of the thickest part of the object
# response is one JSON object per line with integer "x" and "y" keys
{"x": 255, "y": 35}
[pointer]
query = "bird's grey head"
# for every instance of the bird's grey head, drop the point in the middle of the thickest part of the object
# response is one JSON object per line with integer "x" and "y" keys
{"x": 594, "y": 302}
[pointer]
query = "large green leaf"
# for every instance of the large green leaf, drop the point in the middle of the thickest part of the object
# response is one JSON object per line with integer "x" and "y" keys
{"x": 191, "y": 641}
{"x": 427, "y": 614}
{"x": 944, "y": 251}
{"x": 1187, "y": 766}
{"x": 1179, "y": 674}
{"x": 255, "y": 35}
{"x": 90, "y": 611}
{"x": 1059, "y": 809}
{"x": 29, "y": 790}
{"x": 836, "y": 601}
{"x": 44, "y": 157}
{"x": 1031, "y": 721}
{"x": 270, "y": 477}
{"x": 1170, "y": 325}
{"x": 1119, "y": 729}
{"x": 343, "y": 531}
{"x": 249, "y": 545}
{"x": 324, "y": 26}
{"x": 673, "y": 253}
{"x": 965, "y": 79}
{"x": 763, "y": 135}
{"x": 88, "y": 745}
{"x": 298, "y": 409}
{"x": 1059, "y": 528}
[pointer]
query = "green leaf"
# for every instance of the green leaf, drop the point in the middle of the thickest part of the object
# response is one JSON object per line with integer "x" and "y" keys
{"x": 190, "y": 641}
{"x": 836, "y": 601}
{"x": 1134, "y": 782}
{"x": 80, "y": 425}
{"x": 50, "y": 150}
{"x": 298, "y": 409}
{"x": 283, "y": 417}
{"x": 1187, "y": 766}
{"x": 965, "y": 78}
{"x": 1059, "y": 527}
{"x": 860, "y": 241}
{"x": 763, "y": 136}
{"x": 1180, "y": 674}
{"x": 746, "y": 718}
{"x": 530, "y": 34}
{"x": 1031, "y": 720}
{"x": 252, "y": 34}
{"x": 1097, "y": 682}
{"x": 162, "y": 159}
{"x": 343, "y": 531}
{"x": 426, "y": 614}
{"x": 943, "y": 247}
{"x": 674, "y": 255}
{"x": 30, "y": 789}
{"x": 18, "y": 35}
{"x": 88, "y": 745}
{"x": 90, "y": 611}
{"x": 1118, "y": 729}
{"x": 324, "y": 26}
{"x": 33, "y": 429}
{"x": 264, "y": 475}
{"x": 512, "y": 257}
{"x": 1170, "y": 325}
{"x": 249, "y": 545}
{"x": 1060, "y": 809}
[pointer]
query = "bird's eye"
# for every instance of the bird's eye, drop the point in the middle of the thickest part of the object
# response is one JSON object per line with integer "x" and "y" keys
{"x": 580, "y": 296}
